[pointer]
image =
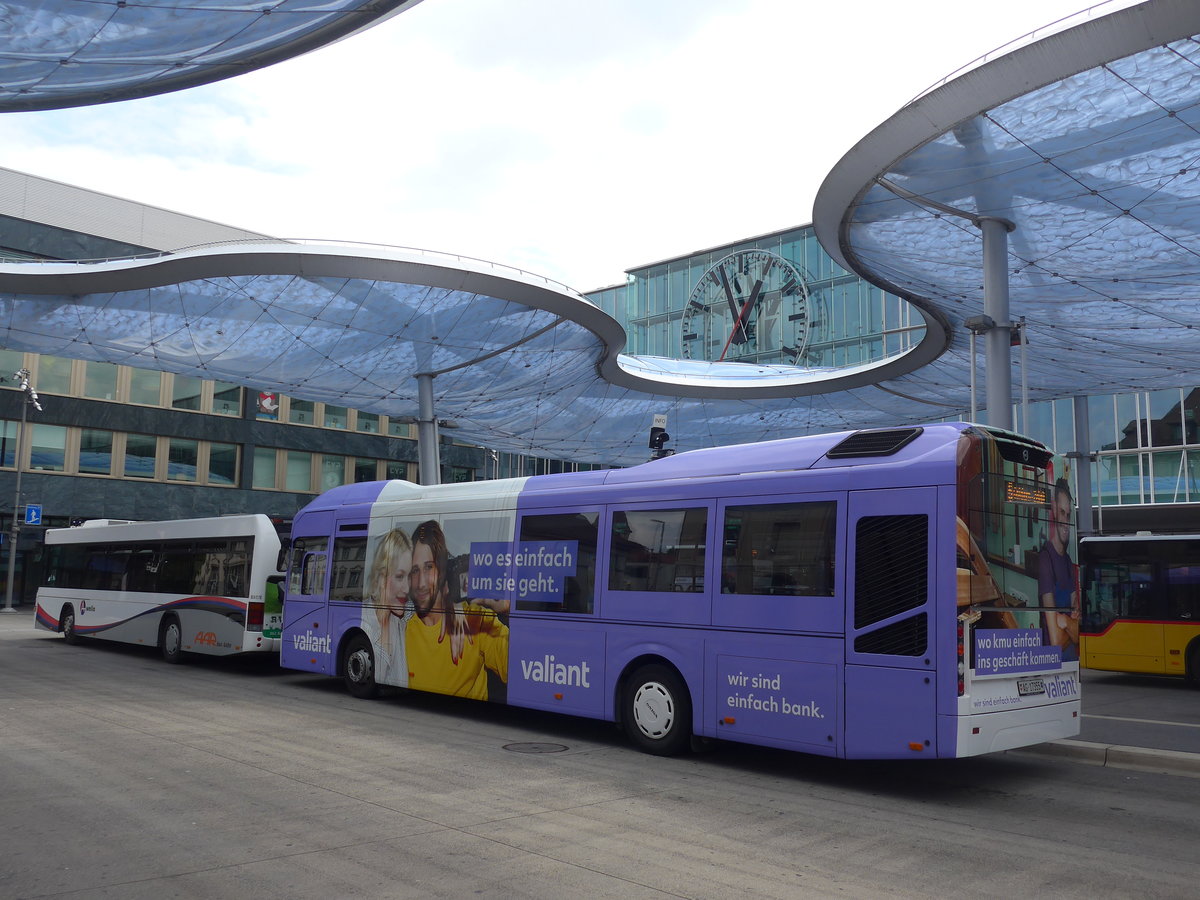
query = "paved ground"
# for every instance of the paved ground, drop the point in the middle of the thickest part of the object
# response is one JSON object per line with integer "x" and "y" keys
{"x": 1129, "y": 721}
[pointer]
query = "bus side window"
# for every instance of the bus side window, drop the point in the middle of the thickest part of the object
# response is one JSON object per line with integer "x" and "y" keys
{"x": 307, "y": 573}
{"x": 658, "y": 550}
{"x": 784, "y": 549}
{"x": 349, "y": 562}
{"x": 577, "y": 533}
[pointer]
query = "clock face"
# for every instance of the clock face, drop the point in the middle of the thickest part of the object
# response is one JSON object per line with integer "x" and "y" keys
{"x": 752, "y": 306}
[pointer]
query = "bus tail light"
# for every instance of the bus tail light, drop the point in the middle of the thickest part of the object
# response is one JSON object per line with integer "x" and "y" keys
{"x": 254, "y": 617}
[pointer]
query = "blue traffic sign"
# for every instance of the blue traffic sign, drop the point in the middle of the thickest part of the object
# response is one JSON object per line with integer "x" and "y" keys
{"x": 33, "y": 514}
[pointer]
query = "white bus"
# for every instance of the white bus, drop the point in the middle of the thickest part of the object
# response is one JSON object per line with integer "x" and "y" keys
{"x": 186, "y": 586}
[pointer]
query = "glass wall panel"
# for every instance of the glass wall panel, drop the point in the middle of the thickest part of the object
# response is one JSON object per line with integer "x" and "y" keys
{"x": 298, "y": 476}
{"x": 140, "y": 453}
{"x": 1106, "y": 489}
{"x": 397, "y": 471}
{"x": 186, "y": 392}
{"x": 95, "y": 451}
{"x": 365, "y": 470}
{"x": 48, "y": 451}
{"x": 223, "y": 464}
{"x": 1131, "y": 477}
{"x": 145, "y": 387}
{"x": 301, "y": 412}
{"x": 396, "y": 428}
{"x": 264, "y": 468}
{"x": 1166, "y": 424}
{"x": 1129, "y": 432}
{"x": 100, "y": 381}
{"x": 227, "y": 399}
{"x": 182, "y": 457}
{"x": 53, "y": 375}
{"x": 1170, "y": 477}
{"x": 368, "y": 422}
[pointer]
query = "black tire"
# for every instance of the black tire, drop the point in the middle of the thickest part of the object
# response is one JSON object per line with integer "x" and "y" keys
{"x": 170, "y": 640}
{"x": 67, "y": 625}
{"x": 656, "y": 710}
{"x": 358, "y": 668}
{"x": 1192, "y": 666}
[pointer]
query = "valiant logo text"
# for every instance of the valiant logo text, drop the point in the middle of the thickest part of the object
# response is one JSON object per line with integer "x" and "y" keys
{"x": 547, "y": 671}
{"x": 310, "y": 643}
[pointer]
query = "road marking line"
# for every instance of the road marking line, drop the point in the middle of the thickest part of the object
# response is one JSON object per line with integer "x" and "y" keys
{"x": 1143, "y": 721}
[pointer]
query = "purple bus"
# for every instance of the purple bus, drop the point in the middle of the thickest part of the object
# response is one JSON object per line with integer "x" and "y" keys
{"x": 872, "y": 594}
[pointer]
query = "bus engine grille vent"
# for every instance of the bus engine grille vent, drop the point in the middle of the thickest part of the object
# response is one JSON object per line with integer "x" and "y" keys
{"x": 904, "y": 638}
{"x": 874, "y": 443}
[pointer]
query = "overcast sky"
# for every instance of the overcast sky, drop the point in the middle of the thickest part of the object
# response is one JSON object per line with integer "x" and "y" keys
{"x": 572, "y": 138}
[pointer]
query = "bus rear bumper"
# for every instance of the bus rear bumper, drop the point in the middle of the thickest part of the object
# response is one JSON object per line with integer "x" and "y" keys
{"x": 1005, "y": 730}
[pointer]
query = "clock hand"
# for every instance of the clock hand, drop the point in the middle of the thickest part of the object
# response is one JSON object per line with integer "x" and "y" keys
{"x": 733, "y": 310}
{"x": 740, "y": 323}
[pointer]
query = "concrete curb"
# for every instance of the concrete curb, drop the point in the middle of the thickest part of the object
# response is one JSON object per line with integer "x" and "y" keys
{"x": 1142, "y": 759}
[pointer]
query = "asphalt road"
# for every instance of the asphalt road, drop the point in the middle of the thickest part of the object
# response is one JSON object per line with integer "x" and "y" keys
{"x": 122, "y": 777}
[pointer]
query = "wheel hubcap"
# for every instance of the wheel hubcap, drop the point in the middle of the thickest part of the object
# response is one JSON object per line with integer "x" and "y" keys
{"x": 653, "y": 710}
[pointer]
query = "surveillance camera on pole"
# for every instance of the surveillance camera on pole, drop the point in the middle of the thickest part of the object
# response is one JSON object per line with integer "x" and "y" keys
{"x": 658, "y": 437}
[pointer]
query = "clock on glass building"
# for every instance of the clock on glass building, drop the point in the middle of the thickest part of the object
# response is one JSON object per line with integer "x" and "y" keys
{"x": 750, "y": 306}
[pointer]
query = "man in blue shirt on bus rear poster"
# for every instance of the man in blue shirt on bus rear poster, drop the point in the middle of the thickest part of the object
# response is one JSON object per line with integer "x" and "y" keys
{"x": 1058, "y": 587}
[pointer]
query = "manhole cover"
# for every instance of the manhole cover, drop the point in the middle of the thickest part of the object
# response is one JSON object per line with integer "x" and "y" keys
{"x": 535, "y": 747}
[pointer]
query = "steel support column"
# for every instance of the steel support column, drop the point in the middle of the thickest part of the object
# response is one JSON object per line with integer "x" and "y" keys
{"x": 429, "y": 456}
{"x": 998, "y": 342}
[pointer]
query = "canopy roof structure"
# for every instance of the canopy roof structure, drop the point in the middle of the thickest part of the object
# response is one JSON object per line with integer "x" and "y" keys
{"x": 520, "y": 363}
{"x": 63, "y": 53}
{"x": 1088, "y": 143}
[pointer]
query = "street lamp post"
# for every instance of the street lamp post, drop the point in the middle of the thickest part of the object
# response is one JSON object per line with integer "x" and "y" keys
{"x": 30, "y": 398}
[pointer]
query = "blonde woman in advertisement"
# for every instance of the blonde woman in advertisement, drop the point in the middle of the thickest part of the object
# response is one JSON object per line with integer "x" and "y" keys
{"x": 386, "y": 618}
{"x": 451, "y": 646}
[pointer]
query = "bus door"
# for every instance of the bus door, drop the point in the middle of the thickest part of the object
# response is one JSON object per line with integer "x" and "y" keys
{"x": 890, "y": 700}
{"x": 306, "y": 641}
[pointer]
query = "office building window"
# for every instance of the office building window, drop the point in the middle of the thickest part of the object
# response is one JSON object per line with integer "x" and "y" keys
{"x": 227, "y": 399}
{"x": 186, "y": 392}
{"x": 336, "y": 416}
{"x": 301, "y": 412}
{"x": 182, "y": 458}
{"x": 222, "y": 464}
{"x": 333, "y": 472}
{"x": 100, "y": 381}
{"x": 141, "y": 452}
{"x": 53, "y": 375}
{"x": 365, "y": 470}
{"x": 145, "y": 387}
{"x": 95, "y": 451}
{"x": 48, "y": 450}
{"x": 265, "y": 461}
{"x": 368, "y": 422}
{"x": 298, "y": 476}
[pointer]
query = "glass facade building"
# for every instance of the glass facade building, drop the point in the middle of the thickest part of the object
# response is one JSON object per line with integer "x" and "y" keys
{"x": 1144, "y": 447}
{"x": 847, "y": 321}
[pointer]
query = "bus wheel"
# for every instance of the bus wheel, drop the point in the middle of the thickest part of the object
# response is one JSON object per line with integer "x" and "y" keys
{"x": 67, "y": 620}
{"x": 358, "y": 668}
{"x": 170, "y": 640}
{"x": 1192, "y": 670}
{"x": 657, "y": 711}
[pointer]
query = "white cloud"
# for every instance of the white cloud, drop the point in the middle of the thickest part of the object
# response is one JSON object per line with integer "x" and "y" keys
{"x": 574, "y": 139}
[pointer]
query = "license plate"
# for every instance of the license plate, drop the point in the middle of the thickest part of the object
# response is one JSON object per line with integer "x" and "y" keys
{"x": 1028, "y": 686}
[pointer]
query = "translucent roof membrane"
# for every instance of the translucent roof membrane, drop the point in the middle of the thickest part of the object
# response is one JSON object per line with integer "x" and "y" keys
{"x": 61, "y": 53}
{"x": 1089, "y": 142}
{"x": 520, "y": 363}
